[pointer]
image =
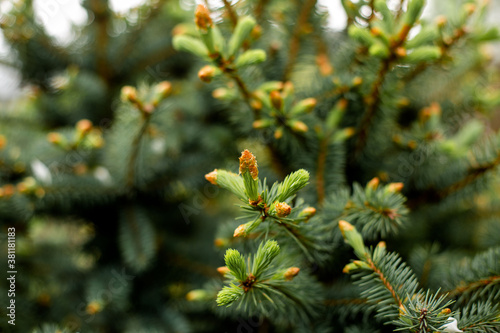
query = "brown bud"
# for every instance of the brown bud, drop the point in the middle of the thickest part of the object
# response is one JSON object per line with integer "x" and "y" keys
{"x": 291, "y": 273}
{"x": 240, "y": 231}
{"x": 261, "y": 123}
{"x": 202, "y": 18}
{"x": 54, "y": 137}
{"x": 164, "y": 88}
{"x": 373, "y": 184}
{"x": 129, "y": 94}
{"x": 395, "y": 187}
{"x": 256, "y": 32}
{"x": 400, "y": 52}
{"x": 248, "y": 163}
{"x": 324, "y": 65}
{"x": 376, "y": 31}
{"x": 212, "y": 177}
{"x": 179, "y": 29}
{"x": 276, "y": 99}
{"x": 283, "y": 209}
{"x": 256, "y": 104}
{"x": 278, "y": 134}
{"x": 3, "y": 141}
{"x": 84, "y": 126}
{"x": 345, "y": 226}
{"x": 223, "y": 270}
{"x": 445, "y": 312}
{"x": 220, "y": 93}
{"x": 220, "y": 242}
{"x": 441, "y": 21}
{"x": 357, "y": 81}
{"x": 9, "y": 190}
{"x": 207, "y": 73}
{"x": 308, "y": 212}
{"x": 470, "y": 8}
{"x": 93, "y": 308}
{"x": 299, "y": 126}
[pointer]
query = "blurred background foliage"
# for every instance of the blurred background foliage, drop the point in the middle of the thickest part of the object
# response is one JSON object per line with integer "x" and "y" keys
{"x": 115, "y": 223}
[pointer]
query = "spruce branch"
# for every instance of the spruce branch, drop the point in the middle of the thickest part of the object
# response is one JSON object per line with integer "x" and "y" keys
{"x": 294, "y": 48}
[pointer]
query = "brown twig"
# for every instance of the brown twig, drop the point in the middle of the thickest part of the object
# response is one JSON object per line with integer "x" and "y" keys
{"x": 473, "y": 285}
{"x": 433, "y": 195}
{"x": 472, "y": 175}
{"x": 320, "y": 171}
{"x": 259, "y": 9}
{"x": 101, "y": 12}
{"x": 373, "y": 99}
{"x": 294, "y": 48}
{"x": 230, "y": 12}
{"x": 386, "y": 283}
{"x": 135, "y": 151}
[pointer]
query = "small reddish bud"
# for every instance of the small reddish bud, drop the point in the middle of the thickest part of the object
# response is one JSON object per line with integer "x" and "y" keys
{"x": 212, "y": 177}
{"x": 220, "y": 242}
{"x": 470, "y": 8}
{"x": 278, "y": 134}
{"x": 129, "y": 94}
{"x": 299, "y": 126}
{"x": 324, "y": 65}
{"x": 400, "y": 52}
{"x": 202, "y": 18}
{"x": 223, "y": 270}
{"x": 248, "y": 163}
{"x": 308, "y": 213}
{"x": 356, "y": 81}
{"x": 441, "y": 21}
{"x": 283, "y": 209}
{"x": 256, "y": 32}
{"x": 291, "y": 273}
{"x": 373, "y": 184}
{"x": 9, "y": 190}
{"x": 54, "y": 137}
{"x": 256, "y": 104}
{"x": 240, "y": 231}
{"x": 84, "y": 126}
{"x": 3, "y": 141}
{"x": 395, "y": 187}
{"x": 207, "y": 73}
{"x": 376, "y": 31}
{"x": 164, "y": 88}
{"x": 345, "y": 226}
{"x": 276, "y": 99}
{"x": 93, "y": 308}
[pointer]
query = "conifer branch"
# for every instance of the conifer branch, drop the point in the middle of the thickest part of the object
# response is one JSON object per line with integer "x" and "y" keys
{"x": 472, "y": 175}
{"x": 294, "y": 48}
{"x": 385, "y": 282}
{"x": 372, "y": 102}
{"x": 464, "y": 288}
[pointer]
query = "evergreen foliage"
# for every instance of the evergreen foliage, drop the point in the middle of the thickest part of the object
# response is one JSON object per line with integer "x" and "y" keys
{"x": 375, "y": 140}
